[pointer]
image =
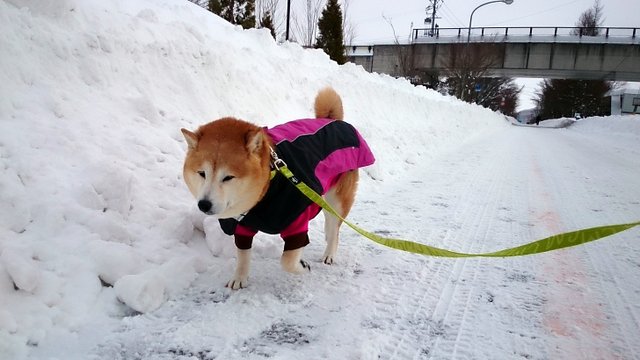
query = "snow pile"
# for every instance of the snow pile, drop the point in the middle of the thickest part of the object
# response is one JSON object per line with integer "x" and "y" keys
{"x": 626, "y": 125}
{"x": 93, "y": 210}
{"x": 557, "y": 123}
{"x": 549, "y": 123}
{"x": 620, "y": 125}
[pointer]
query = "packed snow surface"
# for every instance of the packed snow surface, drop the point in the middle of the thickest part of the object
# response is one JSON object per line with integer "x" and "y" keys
{"x": 103, "y": 254}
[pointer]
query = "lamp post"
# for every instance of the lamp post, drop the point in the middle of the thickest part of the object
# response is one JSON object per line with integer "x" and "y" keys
{"x": 508, "y": 2}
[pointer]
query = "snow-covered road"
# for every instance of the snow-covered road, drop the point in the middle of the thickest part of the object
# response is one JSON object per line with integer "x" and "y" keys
{"x": 518, "y": 185}
{"x": 511, "y": 187}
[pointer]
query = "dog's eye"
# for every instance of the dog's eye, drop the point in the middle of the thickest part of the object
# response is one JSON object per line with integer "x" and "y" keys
{"x": 228, "y": 178}
{"x": 202, "y": 174}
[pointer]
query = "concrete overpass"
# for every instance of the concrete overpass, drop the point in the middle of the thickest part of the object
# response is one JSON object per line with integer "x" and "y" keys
{"x": 539, "y": 52}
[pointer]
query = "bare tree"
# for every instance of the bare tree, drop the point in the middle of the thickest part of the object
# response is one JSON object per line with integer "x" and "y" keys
{"x": 305, "y": 22}
{"x": 269, "y": 8}
{"x": 590, "y": 20}
{"x": 468, "y": 63}
{"x": 348, "y": 29}
{"x": 498, "y": 94}
{"x": 469, "y": 78}
{"x": 405, "y": 53}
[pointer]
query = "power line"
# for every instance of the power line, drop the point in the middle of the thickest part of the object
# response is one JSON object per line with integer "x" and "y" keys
{"x": 452, "y": 14}
{"x": 534, "y": 14}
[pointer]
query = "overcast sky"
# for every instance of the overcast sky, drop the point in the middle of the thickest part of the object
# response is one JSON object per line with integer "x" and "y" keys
{"x": 371, "y": 28}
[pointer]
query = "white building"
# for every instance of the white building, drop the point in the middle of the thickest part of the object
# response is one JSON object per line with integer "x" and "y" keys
{"x": 625, "y": 101}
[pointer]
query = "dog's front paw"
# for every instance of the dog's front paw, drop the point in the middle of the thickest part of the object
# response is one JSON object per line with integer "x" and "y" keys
{"x": 301, "y": 267}
{"x": 237, "y": 283}
{"x": 292, "y": 262}
{"x": 305, "y": 265}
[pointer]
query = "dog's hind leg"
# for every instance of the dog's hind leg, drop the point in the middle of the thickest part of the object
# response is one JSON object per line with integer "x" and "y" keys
{"x": 241, "y": 276}
{"x": 340, "y": 197}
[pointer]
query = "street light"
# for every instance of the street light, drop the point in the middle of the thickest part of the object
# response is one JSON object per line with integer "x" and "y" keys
{"x": 508, "y": 2}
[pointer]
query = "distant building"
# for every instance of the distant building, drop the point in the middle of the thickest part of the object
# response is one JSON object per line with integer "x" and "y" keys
{"x": 624, "y": 101}
{"x": 361, "y": 55}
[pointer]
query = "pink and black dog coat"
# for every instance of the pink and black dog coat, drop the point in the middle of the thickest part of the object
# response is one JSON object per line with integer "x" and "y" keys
{"x": 317, "y": 151}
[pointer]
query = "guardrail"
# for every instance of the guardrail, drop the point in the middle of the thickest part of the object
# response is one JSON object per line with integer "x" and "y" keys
{"x": 528, "y": 34}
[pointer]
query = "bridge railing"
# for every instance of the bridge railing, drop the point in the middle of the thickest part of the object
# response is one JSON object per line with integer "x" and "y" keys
{"x": 625, "y": 35}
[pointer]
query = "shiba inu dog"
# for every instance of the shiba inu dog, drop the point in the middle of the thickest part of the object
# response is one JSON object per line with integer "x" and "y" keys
{"x": 229, "y": 170}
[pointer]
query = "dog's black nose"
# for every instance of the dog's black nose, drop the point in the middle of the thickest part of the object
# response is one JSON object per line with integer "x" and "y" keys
{"x": 204, "y": 205}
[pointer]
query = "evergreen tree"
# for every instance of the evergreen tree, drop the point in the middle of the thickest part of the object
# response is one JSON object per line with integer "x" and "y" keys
{"x": 330, "y": 32}
{"x": 565, "y": 97}
{"x": 216, "y": 7}
{"x": 239, "y": 12}
{"x": 201, "y": 3}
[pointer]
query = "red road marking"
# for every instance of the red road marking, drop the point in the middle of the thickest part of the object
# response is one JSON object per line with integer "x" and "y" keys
{"x": 570, "y": 313}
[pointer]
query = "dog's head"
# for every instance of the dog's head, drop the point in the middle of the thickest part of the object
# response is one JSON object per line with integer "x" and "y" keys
{"x": 227, "y": 166}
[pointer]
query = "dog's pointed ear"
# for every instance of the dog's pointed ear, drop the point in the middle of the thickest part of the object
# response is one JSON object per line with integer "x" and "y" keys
{"x": 192, "y": 138}
{"x": 255, "y": 141}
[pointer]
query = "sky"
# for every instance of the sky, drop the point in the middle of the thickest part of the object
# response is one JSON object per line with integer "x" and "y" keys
{"x": 368, "y": 17}
{"x": 370, "y": 20}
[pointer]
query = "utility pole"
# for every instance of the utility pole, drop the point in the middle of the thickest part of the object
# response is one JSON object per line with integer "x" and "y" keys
{"x": 288, "y": 15}
{"x": 431, "y": 18}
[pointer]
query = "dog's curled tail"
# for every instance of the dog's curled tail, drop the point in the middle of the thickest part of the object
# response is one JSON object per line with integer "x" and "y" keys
{"x": 328, "y": 105}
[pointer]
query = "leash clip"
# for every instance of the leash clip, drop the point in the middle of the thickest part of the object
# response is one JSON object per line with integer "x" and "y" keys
{"x": 277, "y": 162}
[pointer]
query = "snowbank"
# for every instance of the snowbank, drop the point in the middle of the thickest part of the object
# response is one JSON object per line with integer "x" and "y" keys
{"x": 620, "y": 125}
{"x": 93, "y": 210}
{"x": 626, "y": 125}
{"x": 558, "y": 123}
{"x": 549, "y": 123}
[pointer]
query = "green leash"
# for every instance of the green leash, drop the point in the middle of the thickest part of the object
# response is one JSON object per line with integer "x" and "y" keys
{"x": 554, "y": 242}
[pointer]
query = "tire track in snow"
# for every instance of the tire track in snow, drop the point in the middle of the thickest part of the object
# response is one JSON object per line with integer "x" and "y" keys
{"x": 401, "y": 309}
{"x": 617, "y": 308}
{"x": 413, "y": 326}
{"x": 490, "y": 307}
{"x": 449, "y": 301}
{"x": 606, "y": 258}
{"x": 458, "y": 305}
